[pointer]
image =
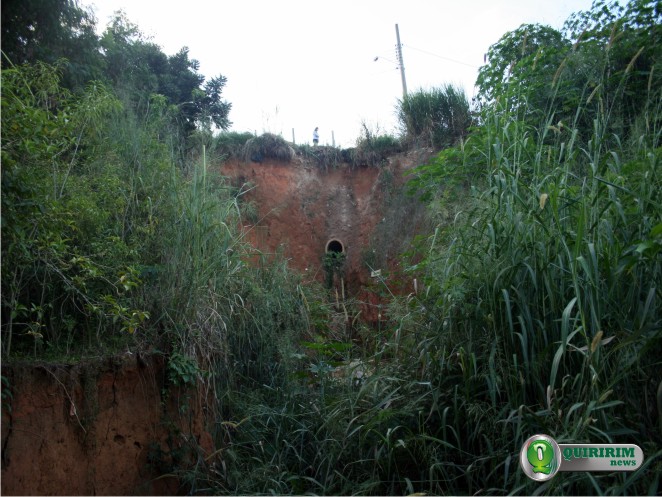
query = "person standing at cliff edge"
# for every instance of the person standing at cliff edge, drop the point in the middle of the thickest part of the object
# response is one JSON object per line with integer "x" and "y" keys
{"x": 316, "y": 137}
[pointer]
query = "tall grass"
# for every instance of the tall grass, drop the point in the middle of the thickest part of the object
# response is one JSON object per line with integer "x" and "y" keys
{"x": 547, "y": 300}
{"x": 228, "y": 326}
{"x": 219, "y": 310}
{"x": 373, "y": 148}
{"x": 541, "y": 314}
{"x": 437, "y": 117}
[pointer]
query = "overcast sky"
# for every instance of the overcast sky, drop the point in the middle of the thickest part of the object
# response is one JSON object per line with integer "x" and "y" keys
{"x": 293, "y": 64}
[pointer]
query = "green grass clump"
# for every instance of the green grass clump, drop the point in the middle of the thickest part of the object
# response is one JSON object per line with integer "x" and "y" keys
{"x": 323, "y": 156}
{"x": 267, "y": 146}
{"x": 374, "y": 148}
{"x": 437, "y": 117}
{"x": 230, "y": 144}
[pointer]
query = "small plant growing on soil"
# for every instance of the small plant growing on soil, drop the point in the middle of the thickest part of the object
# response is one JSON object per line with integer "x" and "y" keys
{"x": 333, "y": 263}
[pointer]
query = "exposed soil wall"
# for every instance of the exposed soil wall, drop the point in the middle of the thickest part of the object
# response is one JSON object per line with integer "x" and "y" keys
{"x": 99, "y": 428}
{"x": 301, "y": 206}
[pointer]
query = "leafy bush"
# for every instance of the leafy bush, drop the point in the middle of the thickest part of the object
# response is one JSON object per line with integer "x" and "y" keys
{"x": 333, "y": 264}
{"x": 68, "y": 259}
{"x": 601, "y": 65}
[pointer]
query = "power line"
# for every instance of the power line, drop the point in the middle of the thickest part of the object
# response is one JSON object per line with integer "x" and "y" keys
{"x": 441, "y": 57}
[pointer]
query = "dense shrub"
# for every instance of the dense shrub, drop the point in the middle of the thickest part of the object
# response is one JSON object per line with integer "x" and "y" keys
{"x": 69, "y": 236}
{"x": 267, "y": 146}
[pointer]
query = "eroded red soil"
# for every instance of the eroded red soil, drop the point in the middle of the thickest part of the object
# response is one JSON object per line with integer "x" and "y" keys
{"x": 94, "y": 428}
{"x": 302, "y": 206}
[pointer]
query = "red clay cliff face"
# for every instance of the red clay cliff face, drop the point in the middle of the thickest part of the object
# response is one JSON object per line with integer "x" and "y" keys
{"x": 302, "y": 206}
{"x": 91, "y": 429}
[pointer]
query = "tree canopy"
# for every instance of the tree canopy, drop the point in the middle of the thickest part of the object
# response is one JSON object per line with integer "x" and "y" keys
{"x": 48, "y": 30}
{"x": 612, "y": 52}
{"x": 135, "y": 67}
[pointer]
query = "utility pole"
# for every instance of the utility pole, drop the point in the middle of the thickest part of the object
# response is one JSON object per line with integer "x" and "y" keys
{"x": 402, "y": 64}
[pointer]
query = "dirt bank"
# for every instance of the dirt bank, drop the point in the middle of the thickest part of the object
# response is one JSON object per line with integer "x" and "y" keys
{"x": 299, "y": 207}
{"x": 98, "y": 428}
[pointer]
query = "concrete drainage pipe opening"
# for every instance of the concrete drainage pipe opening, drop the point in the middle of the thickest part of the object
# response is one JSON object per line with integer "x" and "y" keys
{"x": 335, "y": 246}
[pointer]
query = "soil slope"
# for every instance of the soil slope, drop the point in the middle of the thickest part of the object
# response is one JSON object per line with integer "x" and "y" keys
{"x": 99, "y": 428}
{"x": 301, "y": 207}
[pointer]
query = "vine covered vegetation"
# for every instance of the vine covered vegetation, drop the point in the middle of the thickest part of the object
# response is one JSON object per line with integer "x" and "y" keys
{"x": 539, "y": 300}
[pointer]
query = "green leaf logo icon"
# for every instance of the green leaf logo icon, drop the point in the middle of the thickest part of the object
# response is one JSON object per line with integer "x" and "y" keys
{"x": 540, "y": 455}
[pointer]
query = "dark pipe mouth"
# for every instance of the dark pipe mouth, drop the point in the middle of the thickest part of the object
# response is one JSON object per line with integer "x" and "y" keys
{"x": 336, "y": 246}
